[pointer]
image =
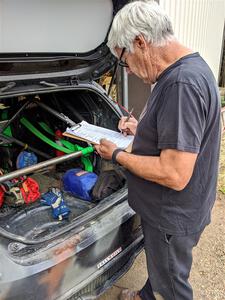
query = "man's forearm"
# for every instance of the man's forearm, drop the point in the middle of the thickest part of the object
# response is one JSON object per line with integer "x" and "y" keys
{"x": 151, "y": 168}
{"x": 173, "y": 168}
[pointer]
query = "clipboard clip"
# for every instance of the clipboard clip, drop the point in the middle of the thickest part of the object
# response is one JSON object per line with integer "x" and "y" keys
{"x": 75, "y": 127}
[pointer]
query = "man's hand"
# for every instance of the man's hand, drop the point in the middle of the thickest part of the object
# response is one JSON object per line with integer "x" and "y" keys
{"x": 105, "y": 149}
{"x": 129, "y": 127}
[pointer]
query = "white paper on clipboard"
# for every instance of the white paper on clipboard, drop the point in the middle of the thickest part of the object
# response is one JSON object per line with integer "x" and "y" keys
{"x": 93, "y": 134}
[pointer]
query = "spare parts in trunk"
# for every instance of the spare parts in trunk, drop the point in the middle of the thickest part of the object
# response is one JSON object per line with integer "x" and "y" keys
{"x": 38, "y": 122}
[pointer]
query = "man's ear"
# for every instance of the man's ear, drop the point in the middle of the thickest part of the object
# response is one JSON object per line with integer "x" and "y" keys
{"x": 140, "y": 42}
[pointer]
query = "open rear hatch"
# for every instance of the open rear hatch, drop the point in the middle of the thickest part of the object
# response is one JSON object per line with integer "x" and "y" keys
{"x": 54, "y": 40}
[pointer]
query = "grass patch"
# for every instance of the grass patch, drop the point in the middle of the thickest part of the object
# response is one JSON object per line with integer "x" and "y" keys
{"x": 221, "y": 177}
{"x": 222, "y": 101}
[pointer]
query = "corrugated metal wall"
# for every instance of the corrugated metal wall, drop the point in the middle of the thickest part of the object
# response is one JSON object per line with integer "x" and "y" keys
{"x": 199, "y": 25}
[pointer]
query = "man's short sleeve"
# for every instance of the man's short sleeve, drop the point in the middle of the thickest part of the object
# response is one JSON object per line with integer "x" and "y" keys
{"x": 181, "y": 118}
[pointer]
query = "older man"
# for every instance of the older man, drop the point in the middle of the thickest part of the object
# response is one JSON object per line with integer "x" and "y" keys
{"x": 172, "y": 170}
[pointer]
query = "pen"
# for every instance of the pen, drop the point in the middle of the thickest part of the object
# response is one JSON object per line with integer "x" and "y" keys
{"x": 130, "y": 113}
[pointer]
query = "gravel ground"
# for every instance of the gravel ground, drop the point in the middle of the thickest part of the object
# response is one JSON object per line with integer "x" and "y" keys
{"x": 208, "y": 271}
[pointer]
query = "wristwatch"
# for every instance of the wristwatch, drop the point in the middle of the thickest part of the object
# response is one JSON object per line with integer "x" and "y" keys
{"x": 114, "y": 155}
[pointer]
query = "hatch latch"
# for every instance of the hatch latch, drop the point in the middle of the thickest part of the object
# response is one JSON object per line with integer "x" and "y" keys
{"x": 74, "y": 80}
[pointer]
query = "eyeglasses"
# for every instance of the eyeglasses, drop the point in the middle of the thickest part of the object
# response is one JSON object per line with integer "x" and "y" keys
{"x": 122, "y": 63}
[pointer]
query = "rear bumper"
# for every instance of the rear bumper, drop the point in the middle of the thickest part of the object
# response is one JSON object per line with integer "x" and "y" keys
{"x": 106, "y": 277}
{"x": 105, "y": 254}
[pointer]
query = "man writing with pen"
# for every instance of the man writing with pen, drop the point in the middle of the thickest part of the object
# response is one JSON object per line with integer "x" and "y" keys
{"x": 172, "y": 168}
{"x": 128, "y": 125}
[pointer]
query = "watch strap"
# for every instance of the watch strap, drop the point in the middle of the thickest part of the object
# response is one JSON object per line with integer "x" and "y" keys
{"x": 114, "y": 155}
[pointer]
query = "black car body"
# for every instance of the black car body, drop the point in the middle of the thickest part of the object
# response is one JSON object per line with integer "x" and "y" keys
{"x": 40, "y": 257}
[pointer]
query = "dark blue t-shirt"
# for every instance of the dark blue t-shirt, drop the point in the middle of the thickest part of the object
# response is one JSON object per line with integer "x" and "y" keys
{"x": 183, "y": 113}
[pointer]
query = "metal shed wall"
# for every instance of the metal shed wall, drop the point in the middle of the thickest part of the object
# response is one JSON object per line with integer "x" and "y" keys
{"x": 199, "y": 25}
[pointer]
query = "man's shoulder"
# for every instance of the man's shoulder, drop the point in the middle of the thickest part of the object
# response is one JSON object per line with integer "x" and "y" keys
{"x": 193, "y": 71}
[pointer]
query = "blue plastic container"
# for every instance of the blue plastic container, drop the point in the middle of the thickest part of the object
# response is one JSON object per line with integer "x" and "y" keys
{"x": 79, "y": 183}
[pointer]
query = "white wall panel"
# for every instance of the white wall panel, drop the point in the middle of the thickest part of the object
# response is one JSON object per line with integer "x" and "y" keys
{"x": 199, "y": 25}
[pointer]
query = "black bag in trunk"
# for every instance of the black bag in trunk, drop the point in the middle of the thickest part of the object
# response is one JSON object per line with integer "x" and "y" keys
{"x": 108, "y": 182}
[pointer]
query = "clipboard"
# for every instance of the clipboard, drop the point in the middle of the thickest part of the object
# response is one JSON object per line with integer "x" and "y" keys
{"x": 92, "y": 134}
{"x": 78, "y": 138}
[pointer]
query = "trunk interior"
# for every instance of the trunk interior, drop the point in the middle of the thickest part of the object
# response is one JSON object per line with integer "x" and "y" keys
{"x": 35, "y": 220}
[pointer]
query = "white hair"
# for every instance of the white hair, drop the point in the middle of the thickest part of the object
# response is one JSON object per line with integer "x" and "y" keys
{"x": 144, "y": 18}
